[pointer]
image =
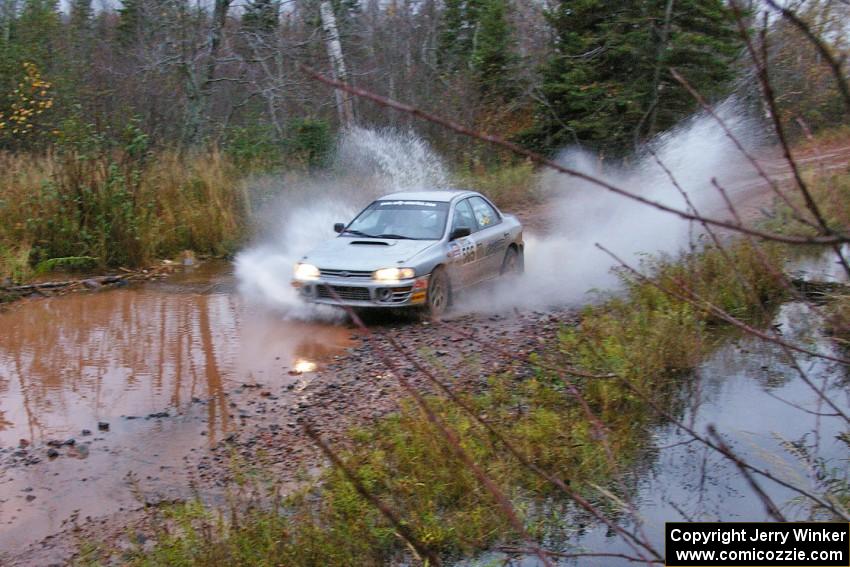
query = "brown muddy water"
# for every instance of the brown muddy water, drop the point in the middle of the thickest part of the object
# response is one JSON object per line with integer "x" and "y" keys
{"x": 154, "y": 361}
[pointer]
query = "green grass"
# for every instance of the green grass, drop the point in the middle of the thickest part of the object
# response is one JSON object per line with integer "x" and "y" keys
{"x": 831, "y": 192}
{"x": 507, "y": 185}
{"x": 15, "y": 261}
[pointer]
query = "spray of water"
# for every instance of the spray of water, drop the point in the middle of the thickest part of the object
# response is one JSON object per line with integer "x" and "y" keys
{"x": 367, "y": 164}
{"x": 564, "y": 264}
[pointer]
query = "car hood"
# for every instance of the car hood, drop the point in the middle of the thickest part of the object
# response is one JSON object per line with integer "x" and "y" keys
{"x": 353, "y": 253}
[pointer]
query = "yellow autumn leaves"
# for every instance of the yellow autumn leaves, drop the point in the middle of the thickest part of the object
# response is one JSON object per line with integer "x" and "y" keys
{"x": 31, "y": 98}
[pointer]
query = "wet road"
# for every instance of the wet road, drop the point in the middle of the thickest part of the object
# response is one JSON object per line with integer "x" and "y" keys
{"x": 155, "y": 362}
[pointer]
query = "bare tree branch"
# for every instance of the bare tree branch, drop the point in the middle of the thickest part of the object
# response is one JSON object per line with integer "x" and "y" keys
{"x": 539, "y": 159}
{"x": 769, "y": 505}
{"x": 834, "y": 64}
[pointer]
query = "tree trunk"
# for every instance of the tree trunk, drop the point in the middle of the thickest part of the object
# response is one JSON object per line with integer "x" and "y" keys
{"x": 7, "y": 15}
{"x": 218, "y": 21}
{"x": 344, "y": 105}
{"x": 656, "y": 78}
{"x": 200, "y": 91}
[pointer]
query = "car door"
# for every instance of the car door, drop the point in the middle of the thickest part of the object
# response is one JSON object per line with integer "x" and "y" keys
{"x": 463, "y": 251}
{"x": 491, "y": 239}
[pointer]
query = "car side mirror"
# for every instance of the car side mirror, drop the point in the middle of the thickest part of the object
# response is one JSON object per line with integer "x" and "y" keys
{"x": 460, "y": 232}
{"x": 339, "y": 227}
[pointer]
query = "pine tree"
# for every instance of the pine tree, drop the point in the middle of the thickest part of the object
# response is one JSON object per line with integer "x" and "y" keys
{"x": 492, "y": 55}
{"x": 608, "y": 83}
{"x": 475, "y": 36}
{"x": 454, "y": 39}
{"x": 261, "y": 16}
{"x": 8, "y": 51}
{"x": 37, "y": 31}
{"x": 130, "y": 21}
{"x": 80, "y": 29}
{"x": 80, "y": 16}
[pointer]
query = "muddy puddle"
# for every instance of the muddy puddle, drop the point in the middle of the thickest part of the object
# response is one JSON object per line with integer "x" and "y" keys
{"x": 154, "y": 361}
{"x": 67, "y": 363}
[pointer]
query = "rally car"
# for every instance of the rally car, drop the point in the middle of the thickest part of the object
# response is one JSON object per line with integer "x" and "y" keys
{"x": 415, "y": 249}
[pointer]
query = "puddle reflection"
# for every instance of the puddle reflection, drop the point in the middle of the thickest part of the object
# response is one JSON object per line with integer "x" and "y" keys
{"x": 66, "y": 363}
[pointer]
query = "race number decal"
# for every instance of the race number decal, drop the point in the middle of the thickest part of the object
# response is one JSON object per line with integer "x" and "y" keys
{"x": 467, "y": 249}
{"x": 462, "y": 251}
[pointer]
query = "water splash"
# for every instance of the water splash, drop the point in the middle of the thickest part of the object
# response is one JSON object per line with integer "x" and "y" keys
{"x": 389, "y": 160}
{"x": 564, "y": 264}
{"x": 367, "y": 164}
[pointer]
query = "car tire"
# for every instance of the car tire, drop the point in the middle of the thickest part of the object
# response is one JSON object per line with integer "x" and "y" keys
{"x": 439, "y": 293}
{"x": 513, "y": 264}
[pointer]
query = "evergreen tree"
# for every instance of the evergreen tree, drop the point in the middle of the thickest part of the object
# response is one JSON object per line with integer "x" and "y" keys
{"x": 8, "y": 51}
{"x": 130, "y": 21}
{"x": 608, "y": 83}
{"x": 492, "y": 56}
{"x": 261, "y": 16}
{"x": 37, "y": 31}
{"x": 80, "y": 29}
{"x": 475, "y": 36}
{"x": 455, "y": 39}
{"x": 80, "y": 16}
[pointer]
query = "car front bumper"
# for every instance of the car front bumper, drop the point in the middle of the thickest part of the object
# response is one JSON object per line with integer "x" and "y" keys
{"x": 364, "y": 293}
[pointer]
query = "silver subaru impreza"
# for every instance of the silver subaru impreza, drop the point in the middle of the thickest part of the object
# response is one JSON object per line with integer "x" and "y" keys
{"x": 413, "y": 249}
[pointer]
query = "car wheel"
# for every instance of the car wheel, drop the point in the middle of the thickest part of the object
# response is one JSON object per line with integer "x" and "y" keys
{"x": 439, "y": 293}
{"x": 512, "y": 265}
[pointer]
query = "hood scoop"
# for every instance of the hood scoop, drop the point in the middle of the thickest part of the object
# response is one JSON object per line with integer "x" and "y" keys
{"x": 369, "y": 243}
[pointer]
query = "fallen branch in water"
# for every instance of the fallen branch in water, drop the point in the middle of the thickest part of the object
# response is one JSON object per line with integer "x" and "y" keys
{"x": 819, "y": 290}
{"x": 63, "y": 286}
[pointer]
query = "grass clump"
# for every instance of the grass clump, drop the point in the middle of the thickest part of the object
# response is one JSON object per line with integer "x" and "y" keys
{"x": 837, "y": 307}
{"x": 14, "y": 262}
{"x": 69, "y": 264}
{"x": 507, "y": 185}
{"x": 830, "y": 189}
{"x": 649, "y": 332}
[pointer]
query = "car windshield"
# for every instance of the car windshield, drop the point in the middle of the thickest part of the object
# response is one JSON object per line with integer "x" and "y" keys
{"x": 414, "y": 220}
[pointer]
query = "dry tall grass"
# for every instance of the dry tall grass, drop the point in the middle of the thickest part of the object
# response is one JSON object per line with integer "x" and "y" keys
{"x": 120, "y": 208}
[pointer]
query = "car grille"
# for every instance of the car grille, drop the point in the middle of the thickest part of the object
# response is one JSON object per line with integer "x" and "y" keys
{"x": 343, "y": 292}
{"x": 353, "y": 274}
{"x": 401, "y": 294}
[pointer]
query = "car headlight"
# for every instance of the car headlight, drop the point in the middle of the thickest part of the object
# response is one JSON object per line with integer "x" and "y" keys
{"x": 306, "y": 272}
{"x": 393, "y": 274}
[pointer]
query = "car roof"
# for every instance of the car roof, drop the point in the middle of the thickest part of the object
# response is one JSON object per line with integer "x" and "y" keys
{"x": 440, "y": 195}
